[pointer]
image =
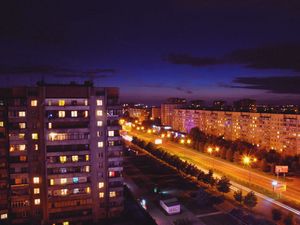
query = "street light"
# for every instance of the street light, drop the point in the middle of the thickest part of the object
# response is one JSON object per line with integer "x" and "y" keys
{"x": 210, "y": 150}
{"x": 247, "y": 161}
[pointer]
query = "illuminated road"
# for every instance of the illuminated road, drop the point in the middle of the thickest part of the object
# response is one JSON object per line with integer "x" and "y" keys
{"x": 240, "y": 175}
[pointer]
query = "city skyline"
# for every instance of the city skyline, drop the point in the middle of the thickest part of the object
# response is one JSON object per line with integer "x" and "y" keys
{"x": 153, "y": 51}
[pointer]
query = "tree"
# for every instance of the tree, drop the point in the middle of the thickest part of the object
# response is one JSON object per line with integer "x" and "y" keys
{"x": 209, "y": 178}
{"x": 238, "y": 196}
{"x": 223, "y": 185}
{"x": 250, "y": 200}
{"x": 276, "y": 215}
{"x": 289, "y": 220}
{"x": 229, "y": 155}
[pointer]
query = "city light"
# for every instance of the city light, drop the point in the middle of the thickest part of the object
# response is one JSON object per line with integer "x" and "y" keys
{"x": 182, "y": 141}
{"x": 189, "y": 141}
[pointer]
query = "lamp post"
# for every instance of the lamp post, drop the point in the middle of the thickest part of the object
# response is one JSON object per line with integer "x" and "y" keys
{"x": 247, "y": 161}
{"x": 210, "y": 150}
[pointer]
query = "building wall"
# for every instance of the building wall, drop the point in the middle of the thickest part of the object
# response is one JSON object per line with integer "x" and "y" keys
{"x": 167, "y": 113}
{"x": 280, "y": 132}
{"x": 64, "y": 154}
{"x": 140, "y": 113}
{"x": 155, "y": 113}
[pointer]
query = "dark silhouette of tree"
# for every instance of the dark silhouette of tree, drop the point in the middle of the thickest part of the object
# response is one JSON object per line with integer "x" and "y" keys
{"x": 289, "y": 220}
{"x": 223, "y": 185}
{"x": 276, "y": 215}
{"x": 250, "y": 200}
{"x": 238, "y": 196}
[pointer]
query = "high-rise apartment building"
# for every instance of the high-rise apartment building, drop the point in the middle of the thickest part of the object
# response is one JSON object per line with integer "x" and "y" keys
{"x": 280, "y": 132}
{"x": 60, "y": 154}
{"x": 167, "y": 109}
{"x": 141, "y": 114}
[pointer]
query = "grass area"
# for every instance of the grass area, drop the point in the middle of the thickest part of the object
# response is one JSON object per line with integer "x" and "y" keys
{"x": 223, "y": 219}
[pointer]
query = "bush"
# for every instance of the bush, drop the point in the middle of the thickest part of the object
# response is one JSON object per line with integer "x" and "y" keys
{"x": 276, "y": 215}
{"x": 250, "y": 200}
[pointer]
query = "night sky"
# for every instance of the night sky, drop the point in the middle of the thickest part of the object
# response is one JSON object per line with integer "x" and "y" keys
{"x": 152, "y": 50}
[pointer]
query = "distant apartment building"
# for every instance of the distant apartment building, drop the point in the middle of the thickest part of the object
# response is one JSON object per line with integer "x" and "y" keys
{"x": 141, "y": 114}
{"x": 168, "y": 108}
{"x": 60, "y": 154}
{"x": 280, "y": 132}
{"x": 219, "y": 105}
{"x": 155, "y": 113}
{"x": 245, "y": 105}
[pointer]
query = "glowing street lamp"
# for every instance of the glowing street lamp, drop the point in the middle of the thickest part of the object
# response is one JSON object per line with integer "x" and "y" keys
{"x": 182, "y": 141}
{"x": 163, "y": 135}
{"x": 189, "y": 141}
{"x": 149, "y": 131}
{"x": 168, "y": 135}
{"x": 247, "y": 160}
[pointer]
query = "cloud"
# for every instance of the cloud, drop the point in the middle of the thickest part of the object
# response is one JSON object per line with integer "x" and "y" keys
{"x": 186, "y": 59}
{"x": 273, "y": 84}
{"x": 178, "y": 88}
{"x": 54, "y": 71}
{"x": 279, "y": 56}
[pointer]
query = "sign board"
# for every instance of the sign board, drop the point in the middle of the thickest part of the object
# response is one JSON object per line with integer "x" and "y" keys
{"x": 281, "y": 169}
{"x": 158, "y": 141}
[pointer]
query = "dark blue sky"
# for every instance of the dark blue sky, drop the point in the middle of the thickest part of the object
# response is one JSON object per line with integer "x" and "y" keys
{"x": 157, "y": 49}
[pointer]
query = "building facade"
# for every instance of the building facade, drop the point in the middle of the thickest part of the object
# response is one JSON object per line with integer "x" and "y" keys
{"x": 280, "y": 132}
{"x": 168, "y": 110}
{"x": 141, "y": 114}
{"x": 155, "y": 113}
{"x": 61, "y": 154}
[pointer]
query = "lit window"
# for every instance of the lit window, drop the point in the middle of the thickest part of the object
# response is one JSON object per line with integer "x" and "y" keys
{"x": 61, "y": 102}
{"x": 49, "y": 102}
{"x": 37, "y": 201}
{"x": 64, "y": 191}
{"x": 36, "y": 147}
{"x": 1, "y": 124}
{"x": 12, "y": 148}
{"x": 99, "y": 123}
{"x": 86, "y": 113}
{"x": 33, "y": 103}
{"x": 22, "y": 125}
{"x": 23, "y": 158}
{"x": 75, "y": 158}
{"x": 66, "y": 223}
{"x": 61, "y": 114}
{"x": 76, "y": 190}
{"x": 85, "y": 102}
{"x": 111, "y": 173}
{"x": 21, "y": 135}
{"x": 99, "y": 133}
{"x": 51, "y": 182}
{"x": 75, "y": 179}
{"x": 111, "y": 133}
{"x": 87, "y": 157}
{"x": 63, "y": 180}
{"x": 112, "y": 194}
{"x": 36, "y": 191}
{"x": 63, "y": 158}
{"x": 22, "y": 113}
{"x": 18, "y": 181}
{"x": 73, "y": 113}
{"x": 36, "y": 180}
{"x": 49, "y": 125}
{"x": 99, "y": 112}
{"x": 3, "y": 216}
{"x": 101, "y": 184}
{"x": 99, "y": 102}
{"x": 22, "y": 147}
{"x": 34, "y": 136}
{"x": 101, "y": 194}
{"x": 87, "y": 169}
{"x": 100, "y": 144}
{"x": 88, "y": 190}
